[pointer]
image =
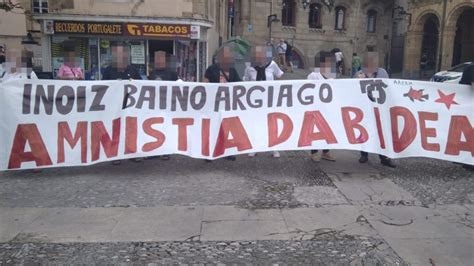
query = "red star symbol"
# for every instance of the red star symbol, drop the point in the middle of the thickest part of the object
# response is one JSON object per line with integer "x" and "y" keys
{"x": 448, "y": 100}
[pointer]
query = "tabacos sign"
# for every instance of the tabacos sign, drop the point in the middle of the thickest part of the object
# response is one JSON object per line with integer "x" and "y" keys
{"x": 157, "y": 30}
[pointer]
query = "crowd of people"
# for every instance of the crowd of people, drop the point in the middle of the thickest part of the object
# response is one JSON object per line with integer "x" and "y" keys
{"x": 17, "y": 64}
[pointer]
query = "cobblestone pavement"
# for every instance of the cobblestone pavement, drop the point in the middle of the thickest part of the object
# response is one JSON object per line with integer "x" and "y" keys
{"x": 432, "y": 182}
{"x": 260, "y": 182}
{"x": 324, "y": 250}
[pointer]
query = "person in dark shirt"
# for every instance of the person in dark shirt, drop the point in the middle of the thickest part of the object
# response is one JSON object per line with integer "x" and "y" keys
{"x": 162, "y": 69}
{"x": 223, "y": 71}
{"x": 468, "y": 79}
{"x": 120, "y": 67}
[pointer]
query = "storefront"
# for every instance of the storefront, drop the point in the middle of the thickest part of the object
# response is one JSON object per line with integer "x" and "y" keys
{"x": 93, "y": 42}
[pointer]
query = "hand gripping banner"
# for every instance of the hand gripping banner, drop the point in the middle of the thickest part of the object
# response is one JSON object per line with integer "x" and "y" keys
{"x": 53, "y": 123}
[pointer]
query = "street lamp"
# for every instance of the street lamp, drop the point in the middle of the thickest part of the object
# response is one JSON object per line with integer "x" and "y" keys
{"x": 270, "y": 19}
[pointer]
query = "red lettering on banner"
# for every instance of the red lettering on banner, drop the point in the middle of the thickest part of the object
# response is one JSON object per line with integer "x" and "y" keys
{"x": 205, "y": 133}
{"x": 428, "y": 132}
{"x": 378, "y": 121}
{"x": 183, "y": 124}
{"x": 28, "y": 133}
{"x": 459, "y": 126}
{"x": 240, "y": 139}
{"x": 307, "y": 135}
{"x": 351, "y": 124}
{"x": 64, "y": 133}
{"x": 130, "y": 135}
{"x": 273, "y": 137}
{"x": 99, "y": 136}
{"x": 401, "y": 142}
{"x": 150, "y": 131}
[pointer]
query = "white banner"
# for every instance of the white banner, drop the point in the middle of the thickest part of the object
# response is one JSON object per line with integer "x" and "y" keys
{"x": 53, "y": 123}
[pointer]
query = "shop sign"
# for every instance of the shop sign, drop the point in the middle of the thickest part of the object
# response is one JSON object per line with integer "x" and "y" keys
{"x": 195, "y": 32}
{"x": 90, "y": 28}
{"x": 157, "y": 30}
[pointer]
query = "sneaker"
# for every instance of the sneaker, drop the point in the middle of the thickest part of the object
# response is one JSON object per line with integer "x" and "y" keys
{"x": 327, "y": 156}
{"x": 165, "y": 157}
{"x": 387, "y": 162}
{"x": 276, "y": 154}
{"x": 316, "y": 157}
{"x": 117, "y": 162}
{"x": 136, "y": 160}
{"x": 252, "y": 154}
{"x": 363, "y": 159}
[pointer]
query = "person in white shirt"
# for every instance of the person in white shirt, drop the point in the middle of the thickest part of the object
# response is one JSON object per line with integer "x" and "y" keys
{"x": 326, "y": 70}
{"x": 264, "y": 68}
{"x": 281, "y": 50}
{"x": 18, "y": 65}
{"x": 339, "y": 61}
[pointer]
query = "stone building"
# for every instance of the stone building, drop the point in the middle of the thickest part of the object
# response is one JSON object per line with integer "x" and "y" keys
{"x": 12, "y": 28}
{"x": 315, "y": 25}
{"x": 189, "y": 30}
{"x": 440, "y": 35}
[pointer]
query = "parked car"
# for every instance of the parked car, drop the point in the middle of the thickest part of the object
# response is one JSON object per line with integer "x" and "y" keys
{"x": 453, "y": 75}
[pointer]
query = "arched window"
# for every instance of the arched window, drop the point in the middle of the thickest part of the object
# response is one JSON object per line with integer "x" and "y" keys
{"x": 340, "y": 18}
{"x": 314, "y": 19}
{"x": 371, "y": 20}
{"x": 288, "y": 13}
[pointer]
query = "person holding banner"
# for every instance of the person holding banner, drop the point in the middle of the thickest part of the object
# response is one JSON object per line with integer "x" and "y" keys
{"x": 121, "y": 69}
{"x": 18, "y": 65}
{"x": 327, "y": 70}
{"x": 468, "y": 79}
{"x": 69, "y": 69}
{"x": 264, "y": 69}
{"x": 371, "y": 69}
{"x": 162, "y": 70}
{"x": 223, "y": 71}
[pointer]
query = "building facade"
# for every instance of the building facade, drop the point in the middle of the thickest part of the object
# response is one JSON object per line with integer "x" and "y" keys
{"x": 12, "y": 28}
{"x": 310, "y": 26}
{"x": 185, "y": 29}
{"x": 440, "y": 35}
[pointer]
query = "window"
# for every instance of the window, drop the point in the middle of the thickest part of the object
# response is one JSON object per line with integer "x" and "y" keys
{"x": 288, "y": 13}
{"x": 40, "y": 6}
{"x": 371, "y": 20}
{"x": 340, "y": 18}
{"x": 314, "y": 19}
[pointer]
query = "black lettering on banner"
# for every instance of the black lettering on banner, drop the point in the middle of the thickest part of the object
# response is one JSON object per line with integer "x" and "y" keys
{"x": 128, "y": 100}
{"x": 328, "y": 97}
{"x": 81, "y": 99}
{"x": 198, "y": 92}
{"x": 150, "y": 98}
{"x": 163, "y": 93}
{"x": 308, "y": 99}
{"x": 26, "y": 107}
{"x": 48, "y": 100}
{"x": 270, "y": 96}
{"x": 181, "y": 96}
{"x": 222, "y": 94}
{"x": 369, "y": 86}
{"x": 100, "y": 91}
{"x": 285, "y": 92}
{"x": 238, "y": 92}
{"x": 258, "y": 102}
{"x": 68, "y": 92}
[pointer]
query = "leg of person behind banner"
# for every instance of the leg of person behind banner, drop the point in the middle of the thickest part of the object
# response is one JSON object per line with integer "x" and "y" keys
{"x": 384, "y": 160}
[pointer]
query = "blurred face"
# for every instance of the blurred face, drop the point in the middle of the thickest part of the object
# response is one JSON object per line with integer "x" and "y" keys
{"x": 120, "y": 57}
{"x": 226, "y": 58}
{"x": 328, "y": 67}
{"x": 371, "y": 62}
{"x": 259, "y": 56}
{"x": 160, "y": 60}
{"x": 70, "y": 58}
{"x": 13, "y": 61}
